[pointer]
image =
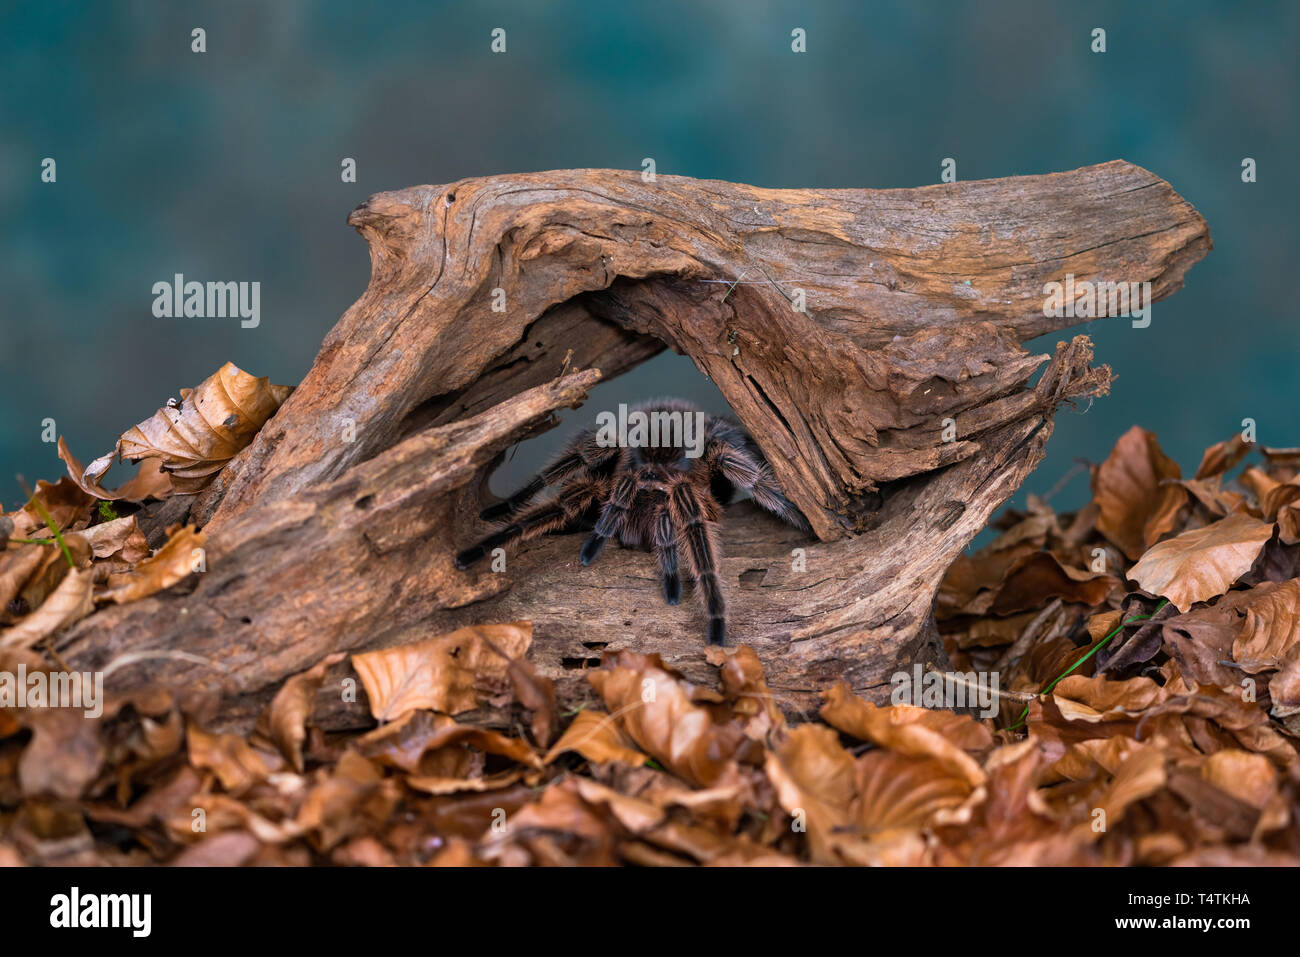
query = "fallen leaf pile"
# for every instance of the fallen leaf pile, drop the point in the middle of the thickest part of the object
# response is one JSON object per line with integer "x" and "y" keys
{"x": 1147, "y": 645}
{"x": 75, "y": 544}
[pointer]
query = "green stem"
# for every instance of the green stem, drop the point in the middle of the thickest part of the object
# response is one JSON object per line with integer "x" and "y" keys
{"x": 49, "y": 522}
{"x": 1091, "y": 651}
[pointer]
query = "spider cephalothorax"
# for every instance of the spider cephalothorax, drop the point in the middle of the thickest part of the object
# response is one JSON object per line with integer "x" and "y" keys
{"x": 665, "y": 496}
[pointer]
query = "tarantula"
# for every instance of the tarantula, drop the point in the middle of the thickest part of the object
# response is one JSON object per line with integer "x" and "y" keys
{"x": 652, "y": 496}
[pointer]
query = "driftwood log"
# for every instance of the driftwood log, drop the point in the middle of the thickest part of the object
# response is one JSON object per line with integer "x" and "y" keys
{"x": 851, "y": 325}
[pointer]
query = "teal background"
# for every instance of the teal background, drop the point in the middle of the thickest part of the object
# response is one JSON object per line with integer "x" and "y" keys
{"x": 225, "y": 165}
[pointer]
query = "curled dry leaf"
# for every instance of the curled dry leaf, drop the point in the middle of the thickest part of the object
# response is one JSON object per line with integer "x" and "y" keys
{"x": 150, "y": 481}
{"x": 657, "y": 708}
{"x": 440, "y": 673}
{"x": 290, "y": 710}
{"x": 1136, "y": 505}
{"x": 70, "y": 602}
{"x": 916, "y": 732}
{"x": 1222, "y": 457}
{"x": 120, "y": 538}
{"x": 1271, "y": 626}
{"x": 235, "y": 762}
{"x": 1203, "y": 563}
{"x": 211, "y": 424}
{"x": 1041, "y": 576}
{"x": 897, "y": 791}
{"x": 66, "y": 504}
{"x": 180, "y": 557}
{"x": 405, "y": 742}
{"x": 598, "y": 738}
{"x": 814, "y": 781}
{"x": 535, "y": 692}
{"x": 17, "y": 564}
{"x": 745, "y": 687}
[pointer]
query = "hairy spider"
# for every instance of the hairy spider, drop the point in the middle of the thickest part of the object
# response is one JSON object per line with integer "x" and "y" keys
{"x": 652, "y": 496}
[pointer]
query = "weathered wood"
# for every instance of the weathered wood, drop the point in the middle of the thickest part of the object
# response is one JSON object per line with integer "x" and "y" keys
{"x": 318, "y": 543}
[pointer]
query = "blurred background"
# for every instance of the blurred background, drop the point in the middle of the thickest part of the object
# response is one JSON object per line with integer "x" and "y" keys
{"x": 225, "y": 165}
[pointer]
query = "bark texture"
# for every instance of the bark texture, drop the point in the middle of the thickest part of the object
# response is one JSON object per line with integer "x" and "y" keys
{"x": 846, "y": 328}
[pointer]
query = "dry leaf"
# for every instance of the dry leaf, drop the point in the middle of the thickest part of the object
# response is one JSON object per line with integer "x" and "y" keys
{"x": 814, "y": 781}
{"x": 149, "y": 480}
{"x": 916, "y": 732}
{"x": 179, "y": 558}
{"x": 210, "y": 425}
{"x": 1136, "y": 507}
{"x": 290, "y": 710}
{"x": 657, "y": 708}
{"x": 1203, "y": 563}
{"x": 69, "y": 603}
{"x": 440, "y": 673}
{"x": 598, "y": 738}
{"x": 120, "y": 538}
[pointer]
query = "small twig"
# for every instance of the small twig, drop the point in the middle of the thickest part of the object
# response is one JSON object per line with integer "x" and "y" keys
{"x": 48, "y": 645}
{"x": 957, "y": 678}
{"x": 1027, "y": 637}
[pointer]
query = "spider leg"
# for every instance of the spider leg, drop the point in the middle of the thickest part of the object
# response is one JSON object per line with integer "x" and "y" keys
{"x": 581, "y": 453}
{"x": 532, "y": 522}
{"x": 745, "y": 469}
{"x": 697, "y": 535}
{"x": 665, "y": 544}
{"x": 612, "y": 518}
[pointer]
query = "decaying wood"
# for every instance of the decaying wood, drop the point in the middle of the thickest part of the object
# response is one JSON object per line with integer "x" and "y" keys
{"x": 335, "y": 529}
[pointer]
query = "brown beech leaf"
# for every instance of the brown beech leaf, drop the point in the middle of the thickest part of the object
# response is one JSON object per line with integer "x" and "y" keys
{"x": 120, "y": 538}
{"x": 1248, "y": 777}
{"x": 405, "y": 742}
{"x": 1141, "y": 775}
{"x": 598, "y": 738}
{"x": 1271, "y": 626}
{"x": 1040, "y": 576}
{"x": 745, "y": 686}
{"x": 916, "y": 732}
{"x": 17, "y": 564}
{"x": 1284, "y": 687}
{"x": 896, "y": 790}
{"x": 179, "y": 558}
{"x": 287, "y": 716}
{"x": 68, "y": 603}
{"x": 1136, "y": 508}
{"x": 1203, "y": 563}
{"x": 1222, "y": 457}
{"x": 210, "y": 425}
{"x": 236, "y": 763}
{"x": 440, "y": 673}
{"x": 657, "y": 708}
{"x": 432, "y": 784}
{"x": 814, "y": 780}
{"x": 149, "y": 480}
{"x": 65, "y": 503}
{"x": 535, "y": 692}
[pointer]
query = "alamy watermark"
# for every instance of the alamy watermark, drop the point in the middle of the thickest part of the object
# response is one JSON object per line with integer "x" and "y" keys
{"x": 54, "y": 689}
{"x": 213, "y": 300}
{"x": 978, "y": 690}
{"x": 1094, "y": 300}
{"x": 655, "y": 429}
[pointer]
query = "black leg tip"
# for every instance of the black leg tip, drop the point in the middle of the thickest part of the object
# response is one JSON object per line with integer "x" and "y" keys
{"x": 494, "y": 511}
{"x": 717, "y": 632}
{"x": 673, "y": 591}
{"x": 467, "y": 558}
{"x": 590, "y": 549}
